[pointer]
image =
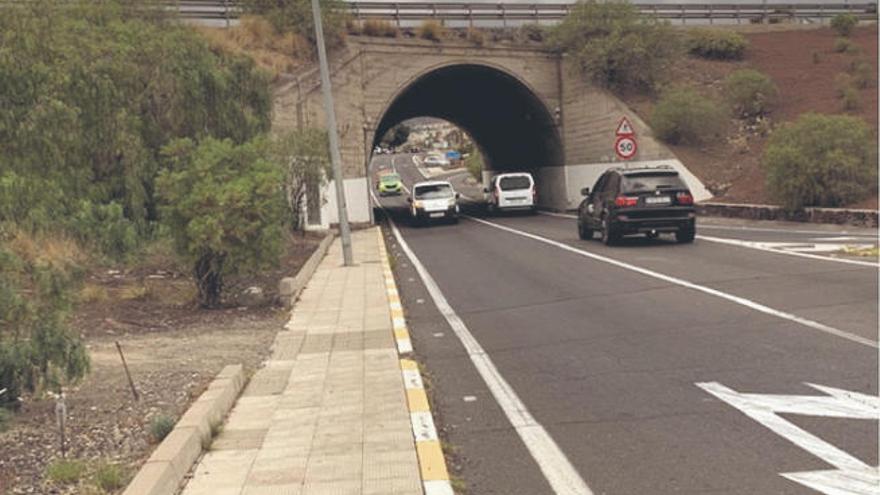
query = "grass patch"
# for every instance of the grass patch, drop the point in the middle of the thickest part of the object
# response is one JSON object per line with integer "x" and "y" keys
{"x": 380, "y": 28}
{"x": 871, "y": 252}
{"x": 431, "y": 30}
{"x": 66, "y": 471}
{"x": 110, "y": 477}
{"x": 160, "y": 427}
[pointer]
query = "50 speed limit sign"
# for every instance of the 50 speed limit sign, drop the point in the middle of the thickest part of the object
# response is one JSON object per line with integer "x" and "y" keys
{"x": 625, "y": 147}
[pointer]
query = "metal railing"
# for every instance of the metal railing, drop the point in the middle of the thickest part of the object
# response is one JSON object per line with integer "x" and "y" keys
{"x": 500, "y": 14}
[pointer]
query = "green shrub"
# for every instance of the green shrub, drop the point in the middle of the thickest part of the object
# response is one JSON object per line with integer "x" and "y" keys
{"x": 532, "y": 32}
{"x": 862, "y": 74}
{"x": 474, "y": 165}
{"x": 844, "y": 45}
{"x": 66, "y": 471}
{"x": 850, "y": 97}
{"x": 843, "y": 24}
{"x": 306, "y": 155}
{"x": 821, "y": 160}
{"x": 379, "y": 27}
{"x": 683, "y": 116}
{"x": 750, "y": 93}
{"x": 431, "y": 30}
{"x": 224, "y": 206}
{"x": 37, "y": 350}
{"x": 716, "y": 44}
{"x": 160, "y": 427}
{"x": 110, "y": 477}
{"x": 615, "y": 46}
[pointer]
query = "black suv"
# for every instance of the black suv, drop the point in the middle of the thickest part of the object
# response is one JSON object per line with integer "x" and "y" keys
{"x": 648, "y": 200}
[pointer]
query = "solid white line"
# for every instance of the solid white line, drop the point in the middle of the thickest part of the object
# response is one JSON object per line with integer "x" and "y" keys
{"x": 560, "y": 474}
{"x": 438, "y": 487}
{"x": 690, "y": 285}
{"x": 759, "y": 247}
{"x": 750, "y": 245}
{"x": 782, "y": 231}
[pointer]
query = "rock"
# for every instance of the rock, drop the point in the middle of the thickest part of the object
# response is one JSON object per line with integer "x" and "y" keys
{"x": 287, "y": 287}
{"x": 252, "y": 296}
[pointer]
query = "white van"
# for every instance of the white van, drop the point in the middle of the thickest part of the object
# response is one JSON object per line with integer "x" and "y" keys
{"x": 513, "y": 191}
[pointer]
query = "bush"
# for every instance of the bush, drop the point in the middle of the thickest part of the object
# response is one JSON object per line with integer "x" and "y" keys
{"x": 160, "y": 427}
{"x": 862, "y": 74}
{"x": 821, "y": 160}
{"x": 37, "y": 350}
{"x": 750, "y": 93}
{"x": 844, "y": 45}
{"x": 430, "y": 30}
{"x": 850, "y": 97}
{"x": 110, "y": 477}
{"x": 378, "y": 27}
{"x": 532, "y": 32}
{"x": 716, "y": 44}
{"x": 224, "y": 206}
{"x": 476, "y": 36}
{"x": 66, "y": 471}
{"x": 474, "y": 165}
{"x": 296, "y": 16}
{"x": 683, "y": 116}
{"x": 615, "y": 46}
{"x": 843, "y": 24}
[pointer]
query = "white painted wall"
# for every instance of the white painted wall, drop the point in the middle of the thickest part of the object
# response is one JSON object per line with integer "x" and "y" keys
{"x": 357, "y": 200}
{"x": 580, "y": 176}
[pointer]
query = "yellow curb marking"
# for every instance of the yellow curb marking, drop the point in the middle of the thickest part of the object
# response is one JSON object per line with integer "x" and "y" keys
{"x": 417, "y": 400}
{"x": 431, "y": 461}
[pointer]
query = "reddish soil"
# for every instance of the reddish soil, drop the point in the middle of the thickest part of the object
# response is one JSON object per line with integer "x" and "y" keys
{"x": 173, "y": 348}
{"x": 732, "y": 168}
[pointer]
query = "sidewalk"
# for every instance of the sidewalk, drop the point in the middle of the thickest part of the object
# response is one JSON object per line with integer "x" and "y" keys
{"x": 328, "y": 412}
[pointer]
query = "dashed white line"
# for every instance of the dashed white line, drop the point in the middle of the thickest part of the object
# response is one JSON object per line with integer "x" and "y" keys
{"x": 690, "y": 285}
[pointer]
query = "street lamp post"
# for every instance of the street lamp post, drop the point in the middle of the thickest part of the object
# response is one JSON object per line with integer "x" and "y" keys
{"x": 335, "y": 159}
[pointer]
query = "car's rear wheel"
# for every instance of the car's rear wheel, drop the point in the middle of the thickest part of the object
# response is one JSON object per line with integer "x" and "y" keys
{"x": 584, "y": 232}
{"x": 685, "y": 236}
{"x": 609, "y": 235}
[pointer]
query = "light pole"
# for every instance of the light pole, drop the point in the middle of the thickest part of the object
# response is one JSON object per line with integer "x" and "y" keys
{"x": 335, "y": 159}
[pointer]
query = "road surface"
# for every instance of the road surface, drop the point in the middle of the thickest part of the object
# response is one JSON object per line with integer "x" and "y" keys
{"x": 560, "y": 366}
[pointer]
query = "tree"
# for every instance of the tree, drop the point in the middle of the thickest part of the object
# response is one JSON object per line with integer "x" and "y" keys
{"x": 821, "y": 160}
{"x": 615, "y": 46}
{"x": 305, "y": 155}
{"x": 224, "y": 206}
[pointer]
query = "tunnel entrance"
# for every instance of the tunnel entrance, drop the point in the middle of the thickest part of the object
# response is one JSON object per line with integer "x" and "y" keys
{"x": 511, "y": 126}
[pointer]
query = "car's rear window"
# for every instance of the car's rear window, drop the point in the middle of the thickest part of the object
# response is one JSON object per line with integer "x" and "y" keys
{"x": 651, "y": 182}
{"x": 436, "y": 191}
{"x": 390, "y": 178}
{"x": 514, "y": 182}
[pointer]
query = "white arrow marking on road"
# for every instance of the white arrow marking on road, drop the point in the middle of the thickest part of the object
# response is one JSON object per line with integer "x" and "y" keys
{"x": 852, "y": 475}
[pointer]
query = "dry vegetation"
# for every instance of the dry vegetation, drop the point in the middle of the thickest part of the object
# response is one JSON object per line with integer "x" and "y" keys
{"x": 275, "y": 52}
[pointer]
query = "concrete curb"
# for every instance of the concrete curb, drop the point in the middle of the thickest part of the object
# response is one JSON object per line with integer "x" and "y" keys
{"x": 432, "y": 463}
{"x": 838, "y": 216}
{"x": 164, "y": 471}
{"x": 290, "y": 288}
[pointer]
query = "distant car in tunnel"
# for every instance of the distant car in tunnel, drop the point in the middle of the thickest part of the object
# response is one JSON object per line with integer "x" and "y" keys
{"x": 511, "y": 191}
{"x": 648, "y": 200}
{"x": 389, "y": 184}
{"x": 433, "y": 200}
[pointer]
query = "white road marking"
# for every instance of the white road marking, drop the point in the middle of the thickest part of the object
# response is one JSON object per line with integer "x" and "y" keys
{"x": 438, "y": 487}
{"x": 852, "y": 475}
{"x": 557, "y": 469}
{"x": 761, "y": 246}
{"x": 780, "y": 248}
{"x": 781, "y": 231}
{"x": 423, "y": 426}
{"x": 690, "y": 285}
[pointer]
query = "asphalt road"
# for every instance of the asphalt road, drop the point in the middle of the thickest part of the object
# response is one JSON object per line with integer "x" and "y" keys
{"x": 633, "y": 361}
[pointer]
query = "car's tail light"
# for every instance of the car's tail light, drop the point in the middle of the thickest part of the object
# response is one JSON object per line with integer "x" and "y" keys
{"x": 684, "y": 198}
{"x": 626, "y": 201}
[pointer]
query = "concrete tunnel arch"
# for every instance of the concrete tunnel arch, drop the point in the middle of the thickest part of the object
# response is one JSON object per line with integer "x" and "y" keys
{"x": 508, "y": 121}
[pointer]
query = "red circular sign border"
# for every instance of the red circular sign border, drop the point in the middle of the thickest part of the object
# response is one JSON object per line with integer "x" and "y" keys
{"x": 635, "y": 146}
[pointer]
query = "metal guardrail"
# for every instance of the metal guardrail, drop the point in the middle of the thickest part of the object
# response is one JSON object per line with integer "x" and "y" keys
{"x": 502, "y": 13}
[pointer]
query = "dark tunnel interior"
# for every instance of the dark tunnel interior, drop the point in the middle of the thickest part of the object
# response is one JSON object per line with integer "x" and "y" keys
{"x": 512, "y": 127}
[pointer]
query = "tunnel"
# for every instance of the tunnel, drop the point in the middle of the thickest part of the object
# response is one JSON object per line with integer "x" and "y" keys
{"x": 509, "y": 123}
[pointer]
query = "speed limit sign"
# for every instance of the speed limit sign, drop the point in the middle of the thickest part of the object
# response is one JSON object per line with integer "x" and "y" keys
{"x": 625, "y": 147}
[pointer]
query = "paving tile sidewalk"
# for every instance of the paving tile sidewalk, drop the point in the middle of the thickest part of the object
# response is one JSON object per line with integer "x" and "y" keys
{"x": 328, "y": 412}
